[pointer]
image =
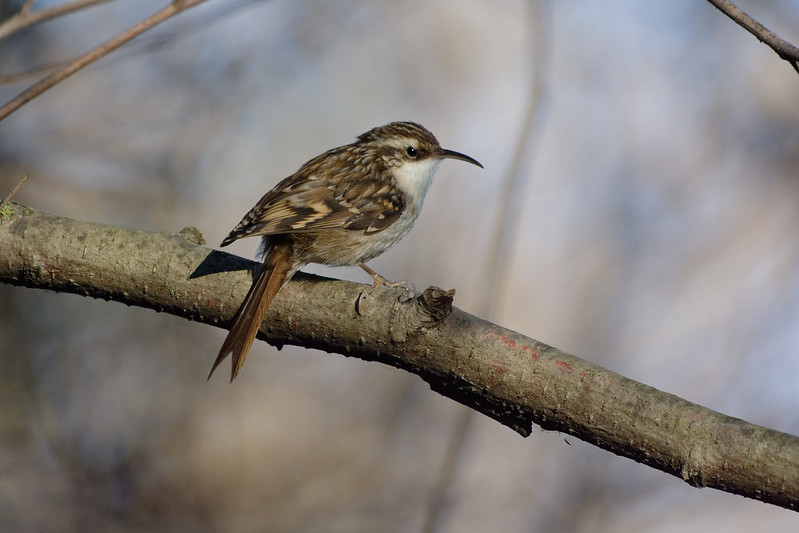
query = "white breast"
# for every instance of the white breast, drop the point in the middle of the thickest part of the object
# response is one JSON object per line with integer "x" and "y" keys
{"x": 414, "y": 177}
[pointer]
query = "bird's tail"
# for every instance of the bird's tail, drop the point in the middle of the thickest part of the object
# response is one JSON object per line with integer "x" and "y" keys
{"x": 277, "y": 269}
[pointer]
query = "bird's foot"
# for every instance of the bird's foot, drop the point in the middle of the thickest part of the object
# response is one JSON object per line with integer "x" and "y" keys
{"x": 408, "y": 293}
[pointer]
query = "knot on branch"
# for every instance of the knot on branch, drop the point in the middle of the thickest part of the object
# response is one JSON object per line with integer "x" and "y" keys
{"x": 437, "y": 303}
{"x": 427, "y": 309}
{"x": 193, "y": 235}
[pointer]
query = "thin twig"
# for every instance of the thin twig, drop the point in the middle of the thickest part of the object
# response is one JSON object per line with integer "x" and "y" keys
{"x": 25, "y": 17}
{"x": 13, "y": 192}
{"x": 141, "y": 45}
{"x": 35, "y": 72}
{"x": 49, "y": 81}
{"x": 783, "y": 48}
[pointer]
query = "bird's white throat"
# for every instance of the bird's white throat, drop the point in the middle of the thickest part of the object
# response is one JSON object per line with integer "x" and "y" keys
{"x": 414, "y": 177}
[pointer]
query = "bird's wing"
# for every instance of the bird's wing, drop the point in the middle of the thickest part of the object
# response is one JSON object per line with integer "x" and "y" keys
{"x": 324, "y": 196}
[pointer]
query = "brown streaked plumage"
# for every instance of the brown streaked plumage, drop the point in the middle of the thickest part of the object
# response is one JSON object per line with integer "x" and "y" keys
{"x": 341, "y": 208}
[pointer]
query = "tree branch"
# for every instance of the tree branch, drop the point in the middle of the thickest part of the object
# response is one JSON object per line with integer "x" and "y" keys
{"x": 174, "y": 7}
{"x": 783, "y": 48}
{"x": 14, "y": 191}
{"x": 26, "y": 17}
{"x": 514, "y": 379}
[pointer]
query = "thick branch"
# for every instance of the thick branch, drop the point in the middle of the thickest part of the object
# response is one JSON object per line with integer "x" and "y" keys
{"x": 511, "y": 378}
{"x": 783, "y": 48}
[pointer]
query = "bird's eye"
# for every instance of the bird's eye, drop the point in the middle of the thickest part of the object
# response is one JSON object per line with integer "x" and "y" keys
{"x": 411, "y": 151}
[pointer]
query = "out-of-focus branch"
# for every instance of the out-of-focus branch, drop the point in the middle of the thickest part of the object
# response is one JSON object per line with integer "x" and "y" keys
{"x": 93, "y": 55}
{"x": 783, "y": 48}
{"x": 506, "y": 223}
{"x": 25, "y": 17}
{"x": 14, "y": 191}
{"x": 514, "y": 379}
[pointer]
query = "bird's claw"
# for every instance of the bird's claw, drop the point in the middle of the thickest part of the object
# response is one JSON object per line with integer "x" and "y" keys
{"x": 408, "y": 293}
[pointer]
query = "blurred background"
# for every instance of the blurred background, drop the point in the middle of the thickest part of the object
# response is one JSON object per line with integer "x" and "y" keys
{"x": 653, "y": 230}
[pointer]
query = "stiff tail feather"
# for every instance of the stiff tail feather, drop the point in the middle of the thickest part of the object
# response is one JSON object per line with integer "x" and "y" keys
{"x": 276, "y": 270}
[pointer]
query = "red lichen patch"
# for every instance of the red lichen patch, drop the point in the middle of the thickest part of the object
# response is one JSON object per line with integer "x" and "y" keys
{"x": 512, "y": 344}
{"x": 732, "y": 429}
{"x": 564, "y": 366}
{"x": 697, "y": 417}
{"x": 497, "y": 374}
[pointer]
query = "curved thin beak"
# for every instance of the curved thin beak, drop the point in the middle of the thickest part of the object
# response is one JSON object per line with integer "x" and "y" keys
{"x": 452, "y": 154}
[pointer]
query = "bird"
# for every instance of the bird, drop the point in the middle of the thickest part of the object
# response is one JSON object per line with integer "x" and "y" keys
{"x": 342, "y": 208}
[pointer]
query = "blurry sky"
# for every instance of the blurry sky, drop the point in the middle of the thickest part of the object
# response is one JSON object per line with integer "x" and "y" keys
{"x": 656, "y": 236}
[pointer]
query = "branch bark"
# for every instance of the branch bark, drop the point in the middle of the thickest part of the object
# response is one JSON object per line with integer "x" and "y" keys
{"x": 783, "y": 48}
{"x": 516, "y": 380}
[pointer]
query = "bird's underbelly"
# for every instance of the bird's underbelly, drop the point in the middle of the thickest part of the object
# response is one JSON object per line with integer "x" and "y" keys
{"x": 343, "y": 247}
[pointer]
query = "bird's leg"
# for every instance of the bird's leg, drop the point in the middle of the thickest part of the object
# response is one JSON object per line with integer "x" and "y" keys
{"x": 380, "y": 281}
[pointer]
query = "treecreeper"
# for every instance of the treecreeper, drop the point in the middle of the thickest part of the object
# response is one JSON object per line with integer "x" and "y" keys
{"x": 341, "y": 208}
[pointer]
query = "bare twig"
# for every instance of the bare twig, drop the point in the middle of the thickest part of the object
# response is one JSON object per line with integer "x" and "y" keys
{"x": 141, "y": 45}
{"x": 783, "y": 48}
{"x": 25, "y": 17}
{"x": 49, "y": 81}
{"x": 13, "y": 191}
{"x": 34, "y": 72}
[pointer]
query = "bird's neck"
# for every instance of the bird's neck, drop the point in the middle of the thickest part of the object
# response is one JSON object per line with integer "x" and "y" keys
{"x": 413, "y": 178}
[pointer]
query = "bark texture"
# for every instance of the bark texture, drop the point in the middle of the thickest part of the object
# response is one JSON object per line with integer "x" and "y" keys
{"x": 514, "y": 379}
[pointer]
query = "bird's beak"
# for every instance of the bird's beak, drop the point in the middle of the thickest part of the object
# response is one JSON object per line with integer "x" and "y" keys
{"x": 452, "y": 154}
